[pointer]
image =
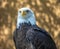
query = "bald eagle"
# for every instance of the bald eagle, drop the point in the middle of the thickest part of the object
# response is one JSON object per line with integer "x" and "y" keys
{"x": 28, "y": 35}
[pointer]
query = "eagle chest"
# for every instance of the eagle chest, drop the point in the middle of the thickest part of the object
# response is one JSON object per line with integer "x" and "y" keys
{"x": 21, "y": 36}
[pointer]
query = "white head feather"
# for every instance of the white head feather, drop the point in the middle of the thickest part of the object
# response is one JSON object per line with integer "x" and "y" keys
{"x": 29, "y": 17}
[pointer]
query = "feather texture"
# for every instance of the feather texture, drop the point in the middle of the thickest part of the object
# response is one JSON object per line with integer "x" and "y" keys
{"x": 32, "y": 37}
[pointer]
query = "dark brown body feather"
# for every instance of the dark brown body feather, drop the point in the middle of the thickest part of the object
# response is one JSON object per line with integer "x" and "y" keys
{"x": 32, "y": 37}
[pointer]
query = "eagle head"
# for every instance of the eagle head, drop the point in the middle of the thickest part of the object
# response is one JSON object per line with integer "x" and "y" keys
{"x": 25, "y": 15}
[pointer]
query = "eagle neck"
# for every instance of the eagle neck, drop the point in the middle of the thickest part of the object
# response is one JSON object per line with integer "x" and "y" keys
{"x": 21, "y": 25}
{"x": 20, "y": 22}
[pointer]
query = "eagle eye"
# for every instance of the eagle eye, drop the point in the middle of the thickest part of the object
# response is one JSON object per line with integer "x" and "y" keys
{"x": 27, "y": 11}
{"x": 20, "y": 11}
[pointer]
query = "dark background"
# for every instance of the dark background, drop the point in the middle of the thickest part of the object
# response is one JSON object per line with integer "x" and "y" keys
{"x": 47, "y": 14}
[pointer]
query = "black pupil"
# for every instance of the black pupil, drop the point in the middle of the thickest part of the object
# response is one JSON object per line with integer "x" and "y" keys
{"x": 27, "y": 11}
{"x": 20, "y": 11}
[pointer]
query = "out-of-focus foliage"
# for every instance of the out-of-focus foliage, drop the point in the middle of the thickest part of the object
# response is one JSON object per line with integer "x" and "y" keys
{"x": 47, "y": 14}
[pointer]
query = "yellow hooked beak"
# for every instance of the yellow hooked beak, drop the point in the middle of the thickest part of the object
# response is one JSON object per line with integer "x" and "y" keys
{"x": 24, "y": 13}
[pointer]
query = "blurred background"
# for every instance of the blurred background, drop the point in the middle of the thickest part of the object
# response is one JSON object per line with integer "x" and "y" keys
{"x": 47, "y": 14}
